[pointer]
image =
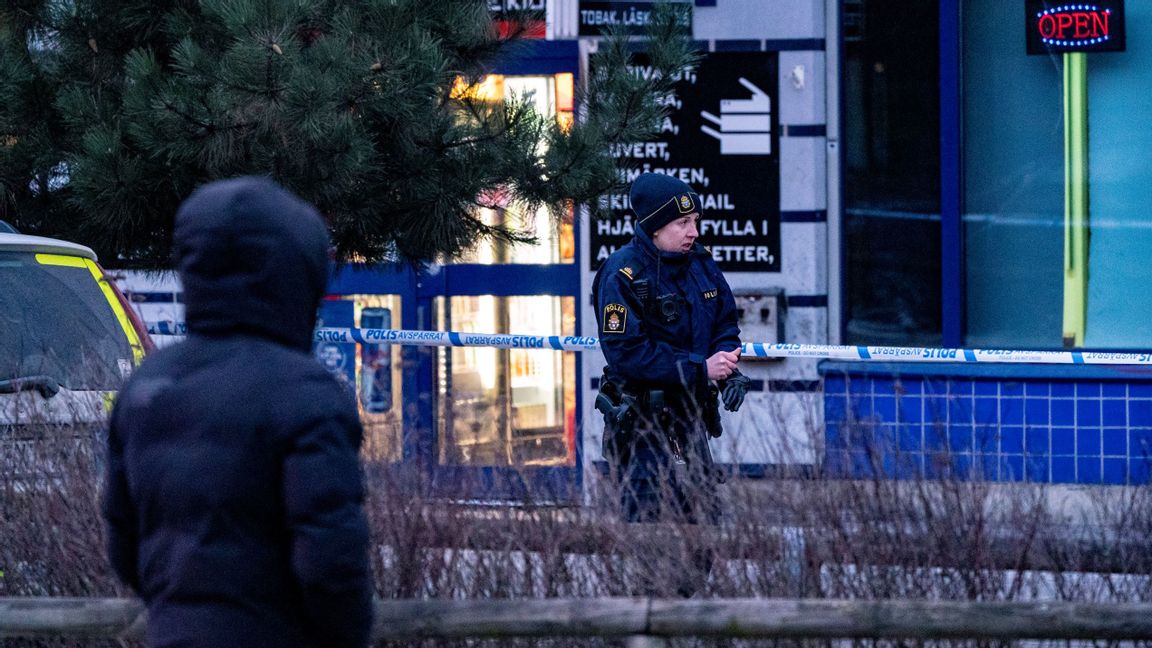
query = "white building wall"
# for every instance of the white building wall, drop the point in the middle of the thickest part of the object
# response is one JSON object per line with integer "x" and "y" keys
{"x": 781, "y": 424}
{"x": 158, "y": 299}
{"x": 752, "y": 19}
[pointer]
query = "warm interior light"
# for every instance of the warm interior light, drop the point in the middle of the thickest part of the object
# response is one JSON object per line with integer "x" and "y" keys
{"x": 565, "y": 120}
{"x": 490, "y": 88}
{"x": 564, "y": 90}
{"x": 564, "y": 83}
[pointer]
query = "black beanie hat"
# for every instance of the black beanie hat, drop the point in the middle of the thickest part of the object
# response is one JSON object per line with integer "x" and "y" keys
{"x": 659, "y": 199}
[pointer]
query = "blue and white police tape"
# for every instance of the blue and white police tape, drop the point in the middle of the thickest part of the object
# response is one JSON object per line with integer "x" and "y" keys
{"x": 454, "y": 339}
{"x": 167, "y": 327}
{"x": 747, "y": 349}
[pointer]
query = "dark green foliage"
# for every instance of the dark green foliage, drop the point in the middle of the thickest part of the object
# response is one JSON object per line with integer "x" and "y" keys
{"x": 115, "y": 111}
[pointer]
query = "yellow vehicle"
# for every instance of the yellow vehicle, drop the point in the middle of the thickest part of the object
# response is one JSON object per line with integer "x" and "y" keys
{"x": 67, "y": 336}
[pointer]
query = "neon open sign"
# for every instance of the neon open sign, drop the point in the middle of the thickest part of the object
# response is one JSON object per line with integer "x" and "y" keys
{"x": 1055, "y": 26}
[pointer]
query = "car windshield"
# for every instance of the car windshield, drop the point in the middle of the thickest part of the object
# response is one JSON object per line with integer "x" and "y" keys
{"x": 57, "y": 325}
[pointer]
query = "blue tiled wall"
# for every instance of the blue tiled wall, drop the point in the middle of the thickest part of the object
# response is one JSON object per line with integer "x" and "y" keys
{"x": 1081, "y": 425}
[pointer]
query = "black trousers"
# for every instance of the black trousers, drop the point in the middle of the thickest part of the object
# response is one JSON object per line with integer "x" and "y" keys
{"x": 663, "y": 481}
{"x": 665, "y": 469}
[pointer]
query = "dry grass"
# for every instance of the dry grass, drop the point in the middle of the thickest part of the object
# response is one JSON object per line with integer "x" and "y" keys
{"x": 798, "y": 535}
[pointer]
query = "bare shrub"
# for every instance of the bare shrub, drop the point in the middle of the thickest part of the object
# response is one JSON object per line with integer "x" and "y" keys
{"x": 51, "y": 539}
{"x": 938, "y": 531}
{"x": 943, "y": 533}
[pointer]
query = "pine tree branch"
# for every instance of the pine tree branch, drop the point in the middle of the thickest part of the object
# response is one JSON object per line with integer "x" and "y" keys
{"x": 355, "y": 113}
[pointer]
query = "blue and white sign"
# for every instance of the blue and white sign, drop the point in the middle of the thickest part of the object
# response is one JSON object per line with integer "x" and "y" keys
{"x": 376, "y": 364}
{"x": 721, "y": 136}
{"x": 337, "y": 356}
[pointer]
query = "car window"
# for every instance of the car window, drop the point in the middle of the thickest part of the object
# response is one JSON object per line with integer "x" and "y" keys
{"x": 56, "y": 320}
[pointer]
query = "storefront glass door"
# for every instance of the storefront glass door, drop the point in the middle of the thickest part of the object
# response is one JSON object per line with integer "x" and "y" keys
{"x": 507, "y": 407}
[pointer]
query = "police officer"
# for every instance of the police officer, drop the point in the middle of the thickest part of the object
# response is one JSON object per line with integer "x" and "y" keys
{"x": 669, "y": 333}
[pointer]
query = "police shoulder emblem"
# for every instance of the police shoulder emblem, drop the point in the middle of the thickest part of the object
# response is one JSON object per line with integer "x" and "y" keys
{"x": 615, "y": 318}
{"x": 627, "y": 272}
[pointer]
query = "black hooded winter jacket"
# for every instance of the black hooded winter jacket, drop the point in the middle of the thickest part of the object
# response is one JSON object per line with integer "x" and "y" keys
{"x": 234, "y": 498}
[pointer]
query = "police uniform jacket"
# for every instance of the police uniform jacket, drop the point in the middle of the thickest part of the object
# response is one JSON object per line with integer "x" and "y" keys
{"x": 645, "y": 346}
{"x": 233, "y": 498}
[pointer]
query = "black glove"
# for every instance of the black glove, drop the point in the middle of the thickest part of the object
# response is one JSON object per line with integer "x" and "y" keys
{"x": 732, "y": 390}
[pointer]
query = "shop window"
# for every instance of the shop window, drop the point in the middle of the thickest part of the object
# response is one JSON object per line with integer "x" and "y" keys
{"x": 892, "y": 186}
{"x": 1014, "y": 186}
{"x": 1120, "y": 190}
{"x": 1013, "y": 183}
{"x": 376, "y": 369}
{"x": 551, "y": 95}
{"x": 506, "y": 407}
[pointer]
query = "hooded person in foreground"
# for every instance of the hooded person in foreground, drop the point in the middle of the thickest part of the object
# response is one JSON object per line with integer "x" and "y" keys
{"x": 233, "y": 500}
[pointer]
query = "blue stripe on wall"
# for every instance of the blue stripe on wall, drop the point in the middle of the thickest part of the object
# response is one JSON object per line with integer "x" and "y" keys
{"x": 807, "y": 301}
{"x": 738, "y": 46}
{"x": 794, "y": 386}
{"x": 804, "y": 130}
{"x": 817, "y": 216}
{"x": 794, "y": 44}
